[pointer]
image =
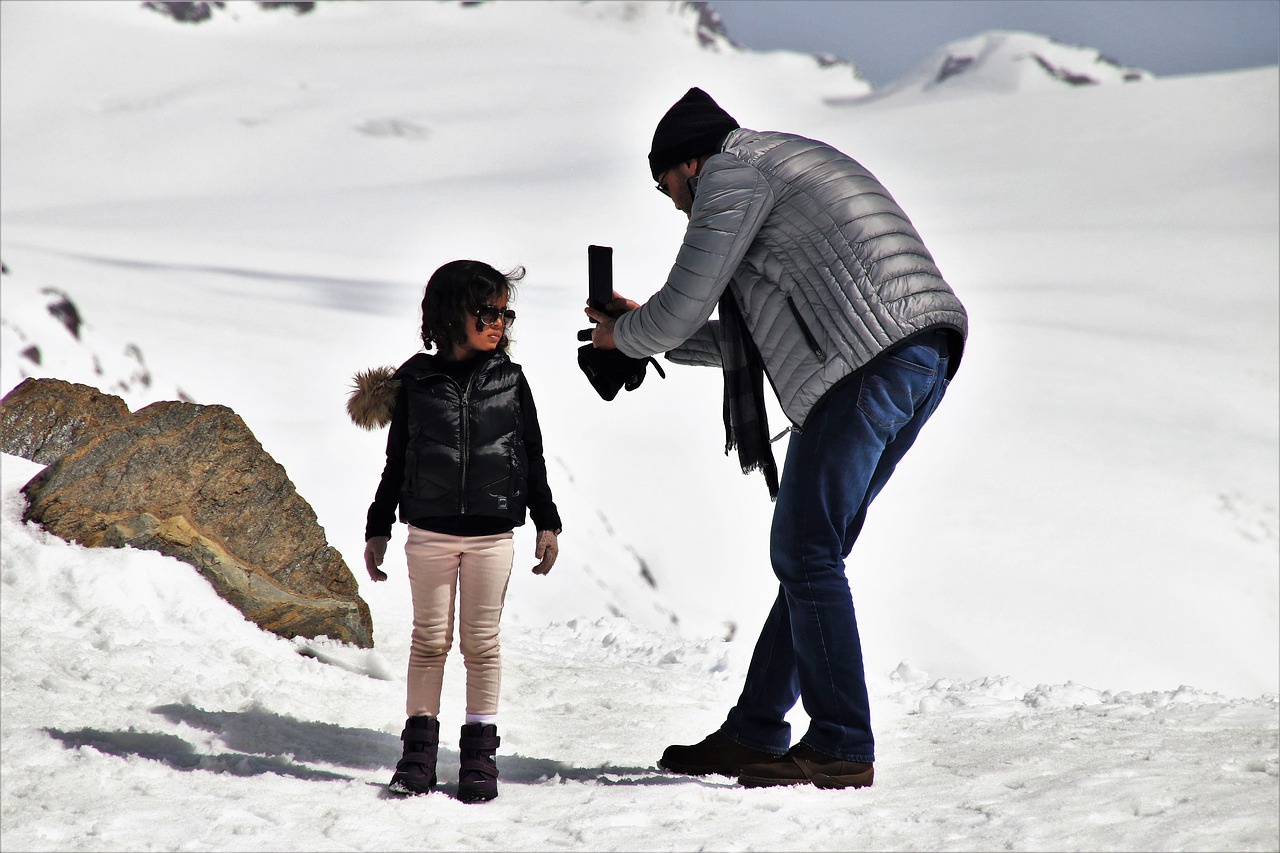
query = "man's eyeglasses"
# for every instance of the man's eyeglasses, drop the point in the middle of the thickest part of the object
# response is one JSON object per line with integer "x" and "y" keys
{"x": 490, "y": 315}
{"x": 662, "y": 188}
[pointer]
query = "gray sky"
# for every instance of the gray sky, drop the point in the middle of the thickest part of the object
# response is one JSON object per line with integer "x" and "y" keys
{"x": 887, "y": 38}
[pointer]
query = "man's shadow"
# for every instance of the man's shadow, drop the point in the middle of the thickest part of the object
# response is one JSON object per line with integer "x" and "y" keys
{"x": 262, "y": 741}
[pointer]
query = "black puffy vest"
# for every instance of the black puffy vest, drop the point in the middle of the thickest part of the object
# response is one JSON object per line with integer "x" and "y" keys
{"x": 465, "y": 453}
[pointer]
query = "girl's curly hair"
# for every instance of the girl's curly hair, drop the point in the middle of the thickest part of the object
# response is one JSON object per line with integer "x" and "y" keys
{"x": 454, "y": 292}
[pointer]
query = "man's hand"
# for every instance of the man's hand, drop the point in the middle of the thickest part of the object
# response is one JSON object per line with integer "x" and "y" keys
{"x": 374, "y": 552}
{"x": 602, "y": 334}
{"x": 602, "y": 331}
{"x": 546, "y": 549}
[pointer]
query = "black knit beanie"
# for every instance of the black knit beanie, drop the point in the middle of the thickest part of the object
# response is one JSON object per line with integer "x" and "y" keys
{"x": 695, "y": 125}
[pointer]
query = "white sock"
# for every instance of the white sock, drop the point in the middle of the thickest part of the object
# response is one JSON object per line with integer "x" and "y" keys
{"x": 486, "y": 719}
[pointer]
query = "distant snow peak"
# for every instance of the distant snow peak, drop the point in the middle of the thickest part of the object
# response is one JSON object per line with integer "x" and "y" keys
{"x": 1007, "y": 62}
{"x": 1014, "y": 61}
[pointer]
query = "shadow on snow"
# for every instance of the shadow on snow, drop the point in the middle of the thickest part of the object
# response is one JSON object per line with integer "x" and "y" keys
{"x": 262, "y": 741}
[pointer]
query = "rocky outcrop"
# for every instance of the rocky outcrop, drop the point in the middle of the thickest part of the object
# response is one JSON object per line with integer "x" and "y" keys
{"x": 192, "y": 482}
{"x": 44, "y": 419}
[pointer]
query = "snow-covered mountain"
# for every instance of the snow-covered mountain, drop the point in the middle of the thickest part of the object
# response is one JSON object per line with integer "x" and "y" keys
{"x": 709, "y": 29}
{"x": 1001, "y": 62}
{"x": 1082, "y": 549}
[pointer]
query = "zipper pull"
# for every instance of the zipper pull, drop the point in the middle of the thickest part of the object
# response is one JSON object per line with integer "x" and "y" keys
{"x": 784, "y": 432}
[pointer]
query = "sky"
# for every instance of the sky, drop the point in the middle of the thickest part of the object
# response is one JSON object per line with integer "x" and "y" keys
{"x": 887, "y": 38}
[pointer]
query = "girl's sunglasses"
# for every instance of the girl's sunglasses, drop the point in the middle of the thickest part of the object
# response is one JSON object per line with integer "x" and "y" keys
{"x": 489, "y": 316}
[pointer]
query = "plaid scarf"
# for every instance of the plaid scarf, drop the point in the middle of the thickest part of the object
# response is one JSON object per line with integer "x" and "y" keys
{"x": 746, "y": 424}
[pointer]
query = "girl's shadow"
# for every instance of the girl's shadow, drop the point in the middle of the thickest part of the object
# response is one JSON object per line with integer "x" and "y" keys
{"x": 265, "y": 742}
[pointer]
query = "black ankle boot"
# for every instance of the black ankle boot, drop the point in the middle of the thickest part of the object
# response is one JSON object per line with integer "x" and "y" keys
{"x": 416, "y": 771}
{"x": 478, "y": 773}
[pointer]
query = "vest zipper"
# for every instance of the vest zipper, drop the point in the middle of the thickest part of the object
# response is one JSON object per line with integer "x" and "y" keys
{"x": 465, "y": 449}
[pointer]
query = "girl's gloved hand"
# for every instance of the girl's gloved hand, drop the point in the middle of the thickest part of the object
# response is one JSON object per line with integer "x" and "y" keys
{"x": 546, "y": 550}
{"x": 374, "y": 551}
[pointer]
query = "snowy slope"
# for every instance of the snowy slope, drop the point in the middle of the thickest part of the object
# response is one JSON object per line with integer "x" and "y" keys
{"x": 253, "y": 204}
{"x": 141, "y": 713}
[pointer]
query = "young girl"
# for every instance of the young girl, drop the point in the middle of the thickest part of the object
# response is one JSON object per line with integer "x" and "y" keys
{"x": 464, "y": 462}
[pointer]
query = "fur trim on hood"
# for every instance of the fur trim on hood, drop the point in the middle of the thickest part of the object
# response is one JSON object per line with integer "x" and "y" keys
{"x": 373, "y": 397}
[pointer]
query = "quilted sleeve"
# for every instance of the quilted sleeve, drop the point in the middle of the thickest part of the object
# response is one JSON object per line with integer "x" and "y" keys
{"x": 732, "y": 202}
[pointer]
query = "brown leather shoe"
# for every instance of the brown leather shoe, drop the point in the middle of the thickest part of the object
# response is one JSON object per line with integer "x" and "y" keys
{"x": 804, "y": 765}
{"x": 715, "y": 754}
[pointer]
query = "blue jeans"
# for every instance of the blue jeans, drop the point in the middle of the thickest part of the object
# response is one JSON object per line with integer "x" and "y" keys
{"x": 809, "y": 647}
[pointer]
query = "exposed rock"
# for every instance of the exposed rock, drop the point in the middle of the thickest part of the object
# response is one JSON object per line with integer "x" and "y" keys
{"x": 44, "y": 333}
{"x": 1064, "y": 74}
{"x": 299, "y": 7}
{"x": 195, "y": 11}
{"x": 186, "y": 11}
{"x": 952, "y": 66}
{"x": 44, "y": 419}
{"x": 710, "y": 25}
{"x": 192, "y": 482}
{"x": 62, "y": 309}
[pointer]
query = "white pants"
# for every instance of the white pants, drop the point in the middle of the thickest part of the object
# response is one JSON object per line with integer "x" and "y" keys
{"x": 478, "y": 568}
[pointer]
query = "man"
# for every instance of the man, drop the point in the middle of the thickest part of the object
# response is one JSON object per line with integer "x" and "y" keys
{"x": 821, "y": 281}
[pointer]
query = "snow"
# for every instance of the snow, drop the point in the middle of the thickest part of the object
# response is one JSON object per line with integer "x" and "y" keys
{"x": 1069, "y": 593}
